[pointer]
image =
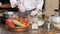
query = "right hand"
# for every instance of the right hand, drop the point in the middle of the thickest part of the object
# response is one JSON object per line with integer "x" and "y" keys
{"x": 21, "y": 8}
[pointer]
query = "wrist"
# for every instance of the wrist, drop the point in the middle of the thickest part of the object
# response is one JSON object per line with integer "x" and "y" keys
{"x": 36, "y": 9}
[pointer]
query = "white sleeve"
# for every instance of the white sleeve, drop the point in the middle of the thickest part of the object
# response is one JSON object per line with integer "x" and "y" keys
{"x": 13, "y": 2}
{"x": 40, "y": 4}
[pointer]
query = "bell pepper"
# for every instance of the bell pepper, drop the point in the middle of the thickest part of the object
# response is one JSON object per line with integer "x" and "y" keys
{"x": 25, "y": 19}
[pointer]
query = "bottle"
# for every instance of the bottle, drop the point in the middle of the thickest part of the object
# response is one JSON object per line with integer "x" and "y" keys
{"x": 34, "y": 23}
{"x": 48, "y": 26}
{"x": 34, "y": 26}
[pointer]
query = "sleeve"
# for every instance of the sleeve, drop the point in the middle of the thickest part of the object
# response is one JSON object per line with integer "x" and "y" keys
{"x": 40, "y": 4}
{"x": 13, "y": 2}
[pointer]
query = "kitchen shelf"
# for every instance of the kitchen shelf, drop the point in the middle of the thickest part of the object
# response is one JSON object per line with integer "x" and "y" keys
{"x": 8, "y": 7}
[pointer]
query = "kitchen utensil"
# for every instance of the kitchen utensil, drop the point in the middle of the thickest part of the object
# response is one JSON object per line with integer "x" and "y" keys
{"x": 9, "y": 14}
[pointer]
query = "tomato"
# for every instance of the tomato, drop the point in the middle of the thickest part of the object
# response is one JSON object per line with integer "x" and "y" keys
{"x": 26, "y": 19}
{"x": 27, "y": 24}
{"x": 22, "y": 21}
{"x": 9, "y": 22}
{"x": 17, "y": 18}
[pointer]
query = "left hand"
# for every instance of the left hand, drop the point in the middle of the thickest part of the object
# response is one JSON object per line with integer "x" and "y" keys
{"x": 33, "y": 13}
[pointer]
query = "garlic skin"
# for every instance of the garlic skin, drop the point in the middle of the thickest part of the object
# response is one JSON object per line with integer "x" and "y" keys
{"x": 33, "y": 13}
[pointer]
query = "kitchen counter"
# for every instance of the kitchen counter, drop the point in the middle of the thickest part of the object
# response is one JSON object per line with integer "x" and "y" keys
{"x": 39, "y": 31}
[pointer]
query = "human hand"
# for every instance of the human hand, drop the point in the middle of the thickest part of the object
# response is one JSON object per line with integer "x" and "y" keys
{"x": 33, "y": 13}
{"x": 21, "y": 8}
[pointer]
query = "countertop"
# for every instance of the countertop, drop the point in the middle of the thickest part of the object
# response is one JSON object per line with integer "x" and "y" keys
{"x": 41, "y": 30}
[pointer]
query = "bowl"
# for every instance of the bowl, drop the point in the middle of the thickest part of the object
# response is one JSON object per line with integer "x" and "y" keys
{"x": 56, "y": 21}
{"x": 57, "y": 26}
{"x": 40, "y": 23}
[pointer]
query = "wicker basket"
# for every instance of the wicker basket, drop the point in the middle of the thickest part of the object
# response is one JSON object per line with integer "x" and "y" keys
{"x": 18, "y": 29}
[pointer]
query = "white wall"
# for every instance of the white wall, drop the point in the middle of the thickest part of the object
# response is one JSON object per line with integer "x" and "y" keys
{"x": 51, "y": 5}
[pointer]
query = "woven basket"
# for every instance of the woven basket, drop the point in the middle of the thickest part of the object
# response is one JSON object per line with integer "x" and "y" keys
{"x": 18, "y": 29}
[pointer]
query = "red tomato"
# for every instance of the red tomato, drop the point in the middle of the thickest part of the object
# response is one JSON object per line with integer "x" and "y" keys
{"x": 22, "y": 21}
{"x": 27, "y": 24}
{"x": 17, "y": 18}
{"x": 9, "y": 23}
{"x": 26, "y": 19}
